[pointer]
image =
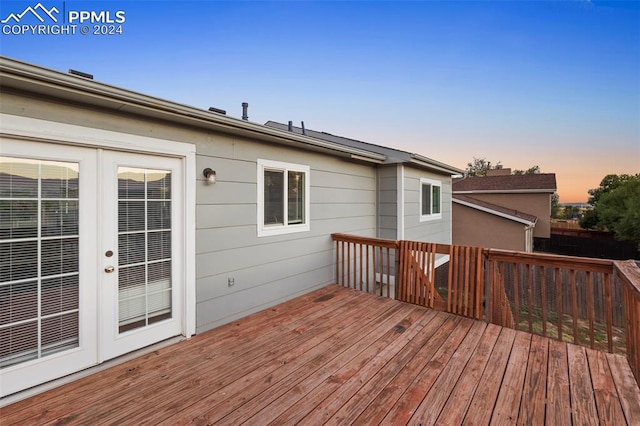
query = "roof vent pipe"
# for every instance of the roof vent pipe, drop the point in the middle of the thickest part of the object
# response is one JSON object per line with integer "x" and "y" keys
{"x": 304, "y": 132}
{"x": 291, "y": 126}
{"x": 245, "y": 106}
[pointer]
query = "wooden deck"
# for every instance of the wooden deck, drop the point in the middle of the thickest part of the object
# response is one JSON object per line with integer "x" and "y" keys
{"x": 338, "y": 356}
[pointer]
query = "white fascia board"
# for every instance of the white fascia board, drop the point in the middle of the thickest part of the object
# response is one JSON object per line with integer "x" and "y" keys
{"x": 495, "y": 212}
{"x": 435, "y": 166}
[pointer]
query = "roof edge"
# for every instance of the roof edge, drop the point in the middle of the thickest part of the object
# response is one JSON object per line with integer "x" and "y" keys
{"x": 35, "y": 74}
{"x": 494, "y": 212}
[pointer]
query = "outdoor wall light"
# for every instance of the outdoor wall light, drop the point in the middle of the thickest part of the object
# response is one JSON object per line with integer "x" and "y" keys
{"x": 209, "y": 175}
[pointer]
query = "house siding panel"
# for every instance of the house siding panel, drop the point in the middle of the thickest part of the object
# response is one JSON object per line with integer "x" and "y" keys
{"x": 269, "y": 270}
{"x": 266, "y": 270}
{"x": 437, "y": 230}
{"x": 387, "y": 202}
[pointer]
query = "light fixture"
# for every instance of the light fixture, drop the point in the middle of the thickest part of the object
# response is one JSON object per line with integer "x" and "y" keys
{"x": 209, "y": 175}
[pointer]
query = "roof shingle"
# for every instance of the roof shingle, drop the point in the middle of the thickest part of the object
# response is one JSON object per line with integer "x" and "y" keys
{"x": 539, "y": 182}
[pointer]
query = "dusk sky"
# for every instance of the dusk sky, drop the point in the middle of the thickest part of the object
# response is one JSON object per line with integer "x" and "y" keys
{"x": 554, "y": 84}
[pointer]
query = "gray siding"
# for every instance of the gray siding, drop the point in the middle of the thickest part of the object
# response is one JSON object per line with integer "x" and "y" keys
{"x": 438, "y": 230}
{"x": 269, "y": 270}
{"x": 388, "y": 202}
{"x": 266, "y": 270}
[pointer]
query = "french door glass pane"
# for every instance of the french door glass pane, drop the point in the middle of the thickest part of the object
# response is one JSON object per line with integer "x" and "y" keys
{"x": 144, "y": 247}
{"x": 39, "y": 274}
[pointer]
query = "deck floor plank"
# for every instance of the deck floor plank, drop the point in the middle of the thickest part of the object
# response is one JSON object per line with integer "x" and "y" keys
{"x": 122, "y": 378}
{"x": 378, "y": 408}
{"x": 481, "y": 407}
{"x": 558, "y": 397}
{"x": 429, "y": 409}
{"x": 583, "y": 403}
{"x": 338, "y": 356}
{"x": 507, "y": 405}
{"x": 257, "y": 389}
{"x": 406, "y": 406}
{"x": 626, "y": 386}
{"x": 460, "y": 398}
{"x": 366, "y": 393}
{"x": 296, "y": 402}
{"x": 535, "y": 384}
{"x": 179, "y": 383}
{"x": 607, "y": 399}
{"x": 226, "y": 381}
{"x": 336, "y": 399}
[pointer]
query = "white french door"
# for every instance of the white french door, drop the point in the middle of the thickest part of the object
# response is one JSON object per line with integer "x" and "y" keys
{"x": 141, "y": 292}
{"x": 91, "y": 264}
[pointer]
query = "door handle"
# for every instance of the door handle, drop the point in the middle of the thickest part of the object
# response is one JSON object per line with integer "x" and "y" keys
{"x": 109, "y": 269}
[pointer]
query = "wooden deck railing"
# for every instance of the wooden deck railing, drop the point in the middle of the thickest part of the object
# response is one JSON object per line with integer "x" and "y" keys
{"x": 629, "y": 274}
{"x": 591, "y": 302}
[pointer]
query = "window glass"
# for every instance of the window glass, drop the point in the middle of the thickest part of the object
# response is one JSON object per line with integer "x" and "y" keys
{"x": 273, "y": 197}
{"x": 283, "y": 199}
{"x": 435, "y": 200}
{"x": 430, "y": 199}
{"x": 295, "y": 197}
{"x": 426, "y": 199}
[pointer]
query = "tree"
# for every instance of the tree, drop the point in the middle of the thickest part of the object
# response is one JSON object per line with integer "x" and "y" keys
{"x": 480, "y": 166}
{"x": 569, "y": 212}
{"x": 530, "y": 171}
{"x": 555, "y": 207}
{"x": 616, "y": 207}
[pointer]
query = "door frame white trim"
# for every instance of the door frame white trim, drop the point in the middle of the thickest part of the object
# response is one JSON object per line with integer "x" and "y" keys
{"x": 39, "y": 130}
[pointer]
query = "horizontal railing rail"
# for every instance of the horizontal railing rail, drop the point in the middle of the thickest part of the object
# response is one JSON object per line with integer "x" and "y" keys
{"x": 571, "y": 299}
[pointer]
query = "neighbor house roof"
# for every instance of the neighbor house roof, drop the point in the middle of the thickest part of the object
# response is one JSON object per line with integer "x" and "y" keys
{"x": 494, "y": 209}
{"x": 539, "y": 182}
{"x": 393, "y": 156}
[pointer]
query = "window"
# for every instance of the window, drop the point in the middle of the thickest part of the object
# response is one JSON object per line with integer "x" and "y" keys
{"x": 430, "y": 199}
{"x": 283, "y": 198}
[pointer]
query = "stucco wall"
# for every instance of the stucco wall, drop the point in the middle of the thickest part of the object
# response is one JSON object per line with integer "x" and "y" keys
{"x": 473, "y": 227}
{"x": 535, "y": 204}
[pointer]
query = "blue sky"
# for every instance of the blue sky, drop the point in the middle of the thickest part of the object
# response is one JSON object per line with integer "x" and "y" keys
{"x": 555, "y": 84}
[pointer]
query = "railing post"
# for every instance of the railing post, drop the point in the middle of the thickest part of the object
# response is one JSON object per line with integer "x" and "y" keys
{"x": 629, "y": 273}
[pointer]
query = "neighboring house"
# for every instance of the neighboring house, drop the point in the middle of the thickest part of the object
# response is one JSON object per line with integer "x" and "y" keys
{"x": 126, "y": 220}
{"x": 502, "y": 210}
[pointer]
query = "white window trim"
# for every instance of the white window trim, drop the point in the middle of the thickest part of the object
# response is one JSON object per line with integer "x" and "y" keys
{"x": 270, "y": 230}
{"x": 426, "y": 217}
